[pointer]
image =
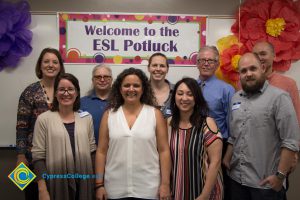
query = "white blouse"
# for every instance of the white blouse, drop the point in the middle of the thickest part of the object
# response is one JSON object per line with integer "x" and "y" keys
{"x": 132, "y": 162}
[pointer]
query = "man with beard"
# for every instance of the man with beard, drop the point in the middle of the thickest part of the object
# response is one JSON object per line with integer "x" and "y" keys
{"x": 264, "y": 136}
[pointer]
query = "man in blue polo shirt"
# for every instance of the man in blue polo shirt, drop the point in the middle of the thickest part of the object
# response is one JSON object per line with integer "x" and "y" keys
{"x": 217, "y": 94}
{"x": 96, "y": 101}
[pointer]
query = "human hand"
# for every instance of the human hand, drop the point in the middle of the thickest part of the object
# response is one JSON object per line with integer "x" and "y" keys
{"x": 226, "y": 162}
{"x": 101, "y": 194}
{"x": 201, "y": 197}
{"x": 273, "y": 181}
{"x": 164, "y": 192}
{"x": 44, "y": 195}
{"x": 21, "y": 158}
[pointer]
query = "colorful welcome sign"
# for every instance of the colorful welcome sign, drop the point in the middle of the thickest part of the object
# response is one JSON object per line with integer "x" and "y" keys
{"x": 130, "y": 38}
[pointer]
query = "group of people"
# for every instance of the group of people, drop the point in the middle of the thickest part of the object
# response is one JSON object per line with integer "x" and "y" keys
{"x": 145, "y": 138}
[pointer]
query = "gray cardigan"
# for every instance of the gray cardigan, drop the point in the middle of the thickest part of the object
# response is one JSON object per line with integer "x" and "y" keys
{"x": 51, "y": 143}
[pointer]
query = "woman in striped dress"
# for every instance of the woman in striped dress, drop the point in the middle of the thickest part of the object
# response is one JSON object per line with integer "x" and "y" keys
{"x": 196, "y": 146}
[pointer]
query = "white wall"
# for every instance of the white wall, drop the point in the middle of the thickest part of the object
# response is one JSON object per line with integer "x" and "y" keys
{"x": 44, "y": 28}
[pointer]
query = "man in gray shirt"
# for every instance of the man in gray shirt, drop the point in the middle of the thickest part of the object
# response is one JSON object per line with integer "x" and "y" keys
{"x": 264, "y": 136}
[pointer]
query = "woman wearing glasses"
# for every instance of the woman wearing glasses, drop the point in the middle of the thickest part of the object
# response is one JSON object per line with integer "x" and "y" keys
{"x": 63, "y": 145}
{"x": 158, "y": 68}
{"x": 34, "y": 100}
{"x": 96, "y": 101}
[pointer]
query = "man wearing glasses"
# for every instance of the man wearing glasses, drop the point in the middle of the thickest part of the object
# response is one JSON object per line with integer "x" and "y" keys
{"x": 96, "y": 100}
{"x": 216, "y": 92}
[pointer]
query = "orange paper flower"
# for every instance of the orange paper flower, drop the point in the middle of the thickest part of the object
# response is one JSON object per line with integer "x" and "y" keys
{"x": 229, "y": 63}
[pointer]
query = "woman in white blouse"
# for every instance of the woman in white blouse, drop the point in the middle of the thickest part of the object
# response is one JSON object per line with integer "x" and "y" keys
{"x": 133, "y": 156}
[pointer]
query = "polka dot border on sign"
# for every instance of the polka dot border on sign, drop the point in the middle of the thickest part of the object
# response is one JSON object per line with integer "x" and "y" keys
{"x": 99, "y": 58}
{"x": 85, "y": 19}
{"x": 65, "y": 17}
{"x": 137, "y": 58}
{"x": 62, "y": 30}
{"x": 171, "y": 61}
{"x": 172, "y": 19}
{"x": 117, "y": 59}
{"x": 193, "y": 58}
{"x": 178, "y": 59}
{"x": 144, "y": 62}
{"x": 73, "y": 53}
{"x": 139, "y": 17}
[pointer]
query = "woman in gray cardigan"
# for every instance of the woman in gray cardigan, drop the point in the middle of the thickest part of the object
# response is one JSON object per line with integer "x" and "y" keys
{"x": 63, "y": 145}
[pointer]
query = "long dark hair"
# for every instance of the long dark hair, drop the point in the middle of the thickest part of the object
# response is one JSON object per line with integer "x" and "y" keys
{"x": 115, "y": 97}
{"x": 75, "y": 82}
{"x": 38, "y": 71}
{"x": 200, "y": 111}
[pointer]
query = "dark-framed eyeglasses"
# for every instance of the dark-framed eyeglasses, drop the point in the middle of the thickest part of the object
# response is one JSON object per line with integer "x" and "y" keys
{"x": 64, "y": 90}
{"x": 209, "y": 61}
{"x": 100, "y": 77}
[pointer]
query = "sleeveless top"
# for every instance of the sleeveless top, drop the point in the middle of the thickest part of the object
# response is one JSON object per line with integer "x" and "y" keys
{"x": 190, "y": 163}
{"x": 132, "y": 161}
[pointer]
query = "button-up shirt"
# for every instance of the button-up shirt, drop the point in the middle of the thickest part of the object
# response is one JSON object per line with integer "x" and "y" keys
{"x": 218, "y": 94}
{"x": 260, "y": 125}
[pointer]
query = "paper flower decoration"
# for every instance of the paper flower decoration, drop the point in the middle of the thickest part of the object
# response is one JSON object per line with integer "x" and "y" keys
{"x": 276, "y": 21}
{"x": 14, "y": 37}
{"x": 230, "y": 53}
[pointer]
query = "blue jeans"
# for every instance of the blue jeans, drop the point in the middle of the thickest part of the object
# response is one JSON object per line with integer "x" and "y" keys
{"x": 238, "y": 192}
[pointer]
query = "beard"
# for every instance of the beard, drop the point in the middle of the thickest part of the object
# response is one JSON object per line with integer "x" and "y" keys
{"x": 252, "y": 89}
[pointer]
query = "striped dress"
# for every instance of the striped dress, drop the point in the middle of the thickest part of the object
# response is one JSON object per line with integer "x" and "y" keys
{"x": 190, "y": 163}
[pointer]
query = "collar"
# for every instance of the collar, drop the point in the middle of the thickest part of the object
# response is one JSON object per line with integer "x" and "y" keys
{"x": 94, "y": 96}
{"x": 264, "y": 87}
{"x": 210, "y": 79}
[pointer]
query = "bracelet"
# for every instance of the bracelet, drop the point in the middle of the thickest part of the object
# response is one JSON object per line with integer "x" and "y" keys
{"x": 99, "y": 186}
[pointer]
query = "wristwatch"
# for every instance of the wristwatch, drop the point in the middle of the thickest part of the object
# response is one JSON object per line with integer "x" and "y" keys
{"x": 280, "y": 175}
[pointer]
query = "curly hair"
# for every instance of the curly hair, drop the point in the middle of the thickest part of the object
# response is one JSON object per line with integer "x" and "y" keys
{"x": 75, "y": 82}
{"x": 200, "y": 109}
{"x": 116, "y": 99}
